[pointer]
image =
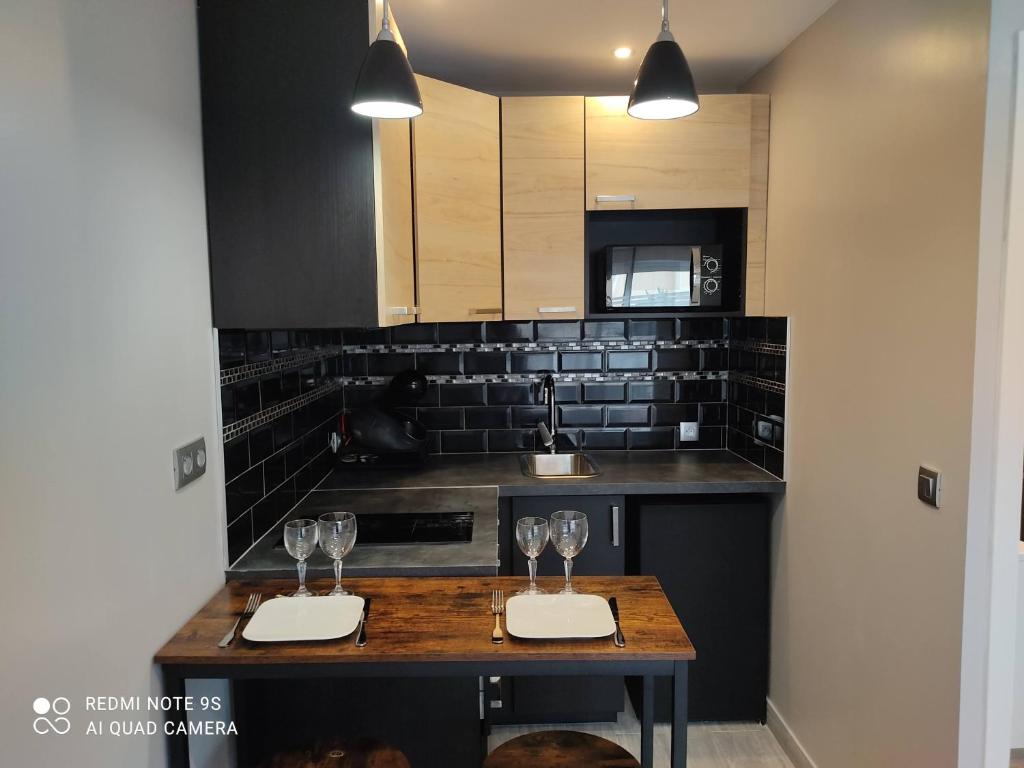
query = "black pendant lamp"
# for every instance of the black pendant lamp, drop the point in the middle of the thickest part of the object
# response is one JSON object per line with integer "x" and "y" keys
{"x": 664, "y": 85}
{"x": 386, "y": 86}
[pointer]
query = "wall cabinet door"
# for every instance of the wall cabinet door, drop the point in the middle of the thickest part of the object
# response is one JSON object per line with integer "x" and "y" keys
{"x": 396, "y": 270}
{"x": 457, "y": 172}
{"x": 542, "y": 188}
{"x": 717, "y": 158}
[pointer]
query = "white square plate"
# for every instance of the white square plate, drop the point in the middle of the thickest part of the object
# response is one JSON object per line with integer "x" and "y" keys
{"x": 304, "y": 618}
{"x": 558, "y": 617}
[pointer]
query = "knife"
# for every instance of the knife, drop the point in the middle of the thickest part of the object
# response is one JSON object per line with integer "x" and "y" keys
{"x": 361, "y": 637}
{"x": 620, "y": 641}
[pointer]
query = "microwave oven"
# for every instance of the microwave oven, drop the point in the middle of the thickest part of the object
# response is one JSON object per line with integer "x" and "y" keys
{"x": 663, "y": 278}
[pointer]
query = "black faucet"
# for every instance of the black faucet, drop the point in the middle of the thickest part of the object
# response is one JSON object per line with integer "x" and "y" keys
{"x": 548, "y": 432}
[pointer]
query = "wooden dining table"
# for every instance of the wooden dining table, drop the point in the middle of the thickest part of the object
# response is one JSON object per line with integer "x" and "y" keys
{"x": 438, "y": 627}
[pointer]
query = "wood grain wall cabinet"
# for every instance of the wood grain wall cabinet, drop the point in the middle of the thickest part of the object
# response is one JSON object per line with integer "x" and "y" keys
{"x": 542, "y": 165}
{"x": 308, "y": 204}
{"x": 717, "y": 158}
{"x": 457, "y": 184}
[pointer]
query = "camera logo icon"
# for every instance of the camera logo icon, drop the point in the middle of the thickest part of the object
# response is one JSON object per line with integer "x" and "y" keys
{"x": 58, "y": 724}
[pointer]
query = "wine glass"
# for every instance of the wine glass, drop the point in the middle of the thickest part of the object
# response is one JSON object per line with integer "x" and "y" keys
{"x": 337, "y": 537}
{"x": 532, "y": 537}
{"x": 569, "y": 535}
{"x": 300, "y": 541}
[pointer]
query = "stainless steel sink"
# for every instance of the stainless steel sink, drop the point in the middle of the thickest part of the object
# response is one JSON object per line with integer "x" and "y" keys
{"x": 551, "y": 465}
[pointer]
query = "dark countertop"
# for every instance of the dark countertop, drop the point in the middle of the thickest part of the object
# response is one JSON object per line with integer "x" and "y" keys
{"x": 476, "y": 557}
{"x": 474, "y": 483}
{"x": 622, "y": 472}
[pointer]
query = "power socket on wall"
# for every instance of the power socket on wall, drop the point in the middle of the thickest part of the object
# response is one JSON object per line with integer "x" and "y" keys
{"x": 689, "y": 431}
{"x": 189, "y": 463}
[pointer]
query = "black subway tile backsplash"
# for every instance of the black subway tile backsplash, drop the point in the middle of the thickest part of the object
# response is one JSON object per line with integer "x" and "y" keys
{"x": 478, "y": 363}
{"x": 467, "y": 441}
{"x": 510, "y": 440}
{"x": 434, "y": 363}
{"x": 604, "y": 439}
{"x": 629, "y": 361}
{"x": 460, "y": 333}
{"x": 604, "y": 392}
{"x": 534, "y": 362}
{"x": 604, "y": 330}
{"x": 581, "y": 361}
{"x": 581, "y": 415}
{"x": 619, "y": 384}
{"x": 687, "y": 359}
{"x": 463, "y": 394}
{"x": 489, "y": 417}
{"x": 414, "y": 333}
{"x": 652, "y": 330}
{"x": 563, "y": 331}
{"x": 529, "y": 415}
{"x": 643, "y": 439}
{"x": 440, "y": 418}
{"x": 510, "y": 394}
{"x": 628, "y": 415}
{"x": 650, "y": 391}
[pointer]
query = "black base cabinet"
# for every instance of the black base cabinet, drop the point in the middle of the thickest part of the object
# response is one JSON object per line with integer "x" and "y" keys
{"x": 711, "y": 557}
{"x": 567, "y": 699}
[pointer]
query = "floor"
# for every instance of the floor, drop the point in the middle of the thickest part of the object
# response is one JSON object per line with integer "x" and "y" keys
{"x": 710, "y": 745}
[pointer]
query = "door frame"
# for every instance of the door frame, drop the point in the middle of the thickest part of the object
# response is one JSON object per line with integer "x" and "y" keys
{"x": 997, "y": 432}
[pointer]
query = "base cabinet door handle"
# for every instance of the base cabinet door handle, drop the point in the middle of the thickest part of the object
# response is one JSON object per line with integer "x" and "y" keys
{"x": 485, "y": 311}
{"x": 616, "y": 537}
{"x": 403, "y": 311}
{"x": 555, "y": 310}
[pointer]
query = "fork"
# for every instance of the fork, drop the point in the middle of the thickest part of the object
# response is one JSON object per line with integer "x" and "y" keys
{"x": 250, "y": 608}
{"x": 497, "y": 608}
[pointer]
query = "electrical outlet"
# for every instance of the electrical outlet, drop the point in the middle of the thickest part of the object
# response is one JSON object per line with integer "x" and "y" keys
{"x": 189, "y": 463}
{"x": 765, "y": 430}
{"x": 689, "y": 431}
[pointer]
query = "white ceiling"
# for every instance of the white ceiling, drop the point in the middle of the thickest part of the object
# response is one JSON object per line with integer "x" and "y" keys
{"x": 565, "y": 46}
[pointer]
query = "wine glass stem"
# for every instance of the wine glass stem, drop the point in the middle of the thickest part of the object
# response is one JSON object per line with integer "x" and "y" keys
{"x": 533, "y": 572}
{"x": 301, "y": 566}
{"x": 337, "y": 575}
{"x": 568, "y": 573}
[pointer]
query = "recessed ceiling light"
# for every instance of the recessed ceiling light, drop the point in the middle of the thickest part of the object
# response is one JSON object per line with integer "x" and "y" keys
{"x": 623, "y": 52}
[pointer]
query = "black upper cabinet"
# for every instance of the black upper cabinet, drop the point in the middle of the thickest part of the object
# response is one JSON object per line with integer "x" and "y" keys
{"x": 289, "y": 166}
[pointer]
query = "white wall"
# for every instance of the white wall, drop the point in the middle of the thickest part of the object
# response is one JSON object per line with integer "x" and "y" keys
{"x": 877, "y": 125}
{"x": 106, "y": 358}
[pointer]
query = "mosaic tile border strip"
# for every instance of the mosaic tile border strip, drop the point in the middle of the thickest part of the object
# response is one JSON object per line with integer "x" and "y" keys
{"x": 535, "y": 378}
{"x": 241, "y": 427}
{"x": 763, "y": 347}
{"x": 538, "y": 346}
{"x": 779, "y": 387}
{"x": 255, "y": 370}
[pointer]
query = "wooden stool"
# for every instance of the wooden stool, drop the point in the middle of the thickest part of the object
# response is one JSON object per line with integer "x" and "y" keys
{"x": 560, "y": 749}
{"x": 346, "y": 753}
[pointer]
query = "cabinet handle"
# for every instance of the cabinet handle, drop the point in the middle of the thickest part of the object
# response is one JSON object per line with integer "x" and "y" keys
{"x": 403, "y": 310}
{"x": 555, "y": 310}
{"x": 615, "y": 526}
{"x": 485, "y": 311}
{"x": 614, "y": 198}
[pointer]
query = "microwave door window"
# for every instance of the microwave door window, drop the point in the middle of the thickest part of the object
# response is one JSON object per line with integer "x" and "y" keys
{"x": 650, "y": 276}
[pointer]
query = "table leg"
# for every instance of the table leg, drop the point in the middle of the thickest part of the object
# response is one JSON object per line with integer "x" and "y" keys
{"x": 177, "y": 744}
{"x": 679, "y": 716}
{"x": 647, "y": 725}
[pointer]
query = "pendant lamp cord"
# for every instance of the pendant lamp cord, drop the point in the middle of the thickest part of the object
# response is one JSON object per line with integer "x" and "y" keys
{"x": 385, "y": 25}
{"x": 664, "y": 15}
